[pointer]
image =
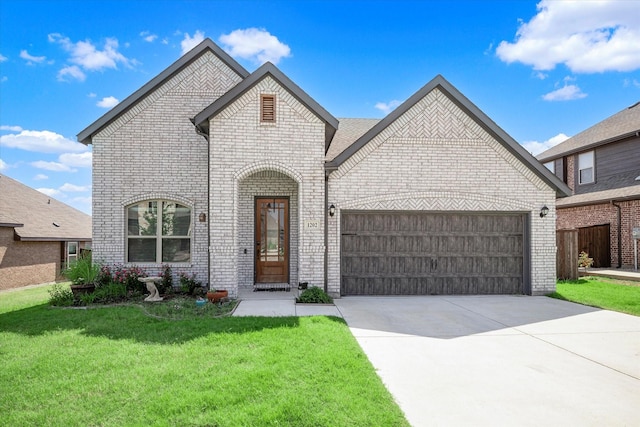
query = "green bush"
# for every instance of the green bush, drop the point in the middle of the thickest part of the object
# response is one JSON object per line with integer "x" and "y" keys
{"x": 314, "y": 295}
{"x": 60, "y": 296}
{"x": 166, "y": 286}
{"x": 82, "y": 270}
{"x": 190, "y": 286}
{"x": 110, "y": 293}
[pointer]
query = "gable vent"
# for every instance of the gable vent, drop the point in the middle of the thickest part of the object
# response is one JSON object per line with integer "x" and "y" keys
{"x": 268, "y": 108}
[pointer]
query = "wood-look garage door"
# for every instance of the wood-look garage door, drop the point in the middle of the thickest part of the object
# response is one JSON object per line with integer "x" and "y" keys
{"x": 427, "y": 253}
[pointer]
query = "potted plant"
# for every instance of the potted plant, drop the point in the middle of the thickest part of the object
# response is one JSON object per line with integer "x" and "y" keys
{"x": 217, "y": 295}
{"x": 83, "y": 274}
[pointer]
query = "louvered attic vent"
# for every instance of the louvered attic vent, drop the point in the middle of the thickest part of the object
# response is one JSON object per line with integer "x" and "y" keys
{"x": 268, "y": 108}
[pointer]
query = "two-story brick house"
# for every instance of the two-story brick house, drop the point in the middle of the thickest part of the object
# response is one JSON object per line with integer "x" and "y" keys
{"x": 245, "y": 180}
{"x": 601, "y": 165}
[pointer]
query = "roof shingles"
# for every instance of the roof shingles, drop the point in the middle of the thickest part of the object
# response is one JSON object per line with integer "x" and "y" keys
{"x": 37, "y": 213}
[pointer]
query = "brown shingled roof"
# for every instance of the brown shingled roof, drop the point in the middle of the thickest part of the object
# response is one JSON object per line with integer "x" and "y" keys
{"x": 621, "y": 125}
{"x": 38, "y": 217}
{"x": 349, "y": 130}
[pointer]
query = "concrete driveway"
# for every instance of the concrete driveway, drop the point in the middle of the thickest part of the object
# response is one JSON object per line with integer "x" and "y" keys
{"x": 501, "y": 360}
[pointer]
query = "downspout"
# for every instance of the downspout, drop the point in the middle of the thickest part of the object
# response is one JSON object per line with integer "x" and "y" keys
{"x": 326, "y": 230}
{"x": 619, "y": 233}
{"x": 206, "y": 137}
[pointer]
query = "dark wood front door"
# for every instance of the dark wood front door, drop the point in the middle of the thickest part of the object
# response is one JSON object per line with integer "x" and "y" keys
{"x": 272, "y": 240}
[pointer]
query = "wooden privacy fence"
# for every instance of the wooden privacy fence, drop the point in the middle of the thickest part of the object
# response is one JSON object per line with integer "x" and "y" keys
{"x": 567, "y": 254}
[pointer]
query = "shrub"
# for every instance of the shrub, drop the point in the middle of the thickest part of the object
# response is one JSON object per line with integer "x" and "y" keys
{"x": 190, "y": 285}
{"x": 128, "y": 276}
{"x": 60, "y": 296}
{"x": 584, "y": 260}
{"x": 166, "y": 286}
{"x": 110, "y": 293}
{"x": 314, "y": 295}
{"x": 104, "y": 276}
{"x": 82, "y": 270}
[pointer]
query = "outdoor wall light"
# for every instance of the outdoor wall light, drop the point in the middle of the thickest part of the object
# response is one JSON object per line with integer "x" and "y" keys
{"x": 202, "y": 217}
{"x": 544, "y": 211}
{"x": 332, "y": 210}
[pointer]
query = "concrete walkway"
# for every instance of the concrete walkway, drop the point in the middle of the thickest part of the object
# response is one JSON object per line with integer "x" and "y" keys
{"x": 277, "y": 304}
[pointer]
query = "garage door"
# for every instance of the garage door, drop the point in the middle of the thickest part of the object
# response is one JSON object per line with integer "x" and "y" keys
{"x": 427, "y": 253}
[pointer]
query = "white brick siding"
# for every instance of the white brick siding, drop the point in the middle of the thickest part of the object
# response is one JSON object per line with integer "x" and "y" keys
{"x": 436, "y": 158}
{"x": 152, "y": 151}
{"x": 243, "y": 151}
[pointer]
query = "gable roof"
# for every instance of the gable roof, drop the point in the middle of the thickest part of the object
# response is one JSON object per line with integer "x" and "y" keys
{"x": 472, "y": 111}
{"x": 201, "y": 120}
{"x": 621, "y": 125}
{"x": 34, "y": 215}
{"x": 186, "y": 59}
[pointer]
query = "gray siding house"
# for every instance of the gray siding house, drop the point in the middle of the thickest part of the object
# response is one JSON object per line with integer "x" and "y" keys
{"x": 245, "y": 180}
{"x": 601, "y": 165}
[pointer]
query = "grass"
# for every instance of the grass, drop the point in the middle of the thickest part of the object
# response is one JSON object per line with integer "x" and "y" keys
{"x": 601, "y": 292}
{"x": 119, "y": 366}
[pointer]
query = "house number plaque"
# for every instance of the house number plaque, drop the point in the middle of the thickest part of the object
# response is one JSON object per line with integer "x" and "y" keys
{"x": 313, "y": 224}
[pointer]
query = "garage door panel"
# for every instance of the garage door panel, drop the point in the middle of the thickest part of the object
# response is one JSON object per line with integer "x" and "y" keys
{"x": 418, "y": 253}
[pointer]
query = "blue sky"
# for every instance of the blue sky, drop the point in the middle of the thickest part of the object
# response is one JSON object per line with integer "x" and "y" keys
{"x": 542, "y": 70}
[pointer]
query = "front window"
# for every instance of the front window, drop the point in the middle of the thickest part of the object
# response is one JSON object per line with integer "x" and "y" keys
{"x": 158, "y": 231}
{"x": 585, "y": 168}
{"x": 551, "y": 166}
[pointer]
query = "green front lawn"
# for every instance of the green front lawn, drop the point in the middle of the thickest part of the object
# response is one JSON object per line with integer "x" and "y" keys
{"x": 119, "y": 366}
{"x": 601, "y": 292}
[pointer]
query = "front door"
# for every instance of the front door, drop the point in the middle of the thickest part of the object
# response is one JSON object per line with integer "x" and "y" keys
{"x": 272, "y": 240}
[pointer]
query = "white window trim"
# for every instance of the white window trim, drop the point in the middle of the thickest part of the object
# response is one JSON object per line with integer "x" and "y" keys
{"x": 158, "y": 236}
{"x": 592, "y": 166}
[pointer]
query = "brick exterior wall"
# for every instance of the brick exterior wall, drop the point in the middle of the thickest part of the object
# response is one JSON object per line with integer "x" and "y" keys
{"x": 152, "y": 151}
{"x": 435, "y": 158}
{"x": 27, "y": 263}
{"x": 606, "y": 213}
{"x": 252, "y": 159}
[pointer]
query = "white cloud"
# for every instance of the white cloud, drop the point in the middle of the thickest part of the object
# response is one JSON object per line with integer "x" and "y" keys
{"x": 79, "y": 160}
{"x": 91, "y": 95}
{"x": 387, "y": 107}
{"x": 11, "y": 128}
{"x": 586, "y": 36}
{"x": 3, "y": 165}
{"x": 72, "y": 188}
{"x": 40, "y": 177}
{"x": 51, "y": 192}
{"x": 3, "y": 58}
{"x": 535, "y": 147}
{"x": 31, "y": 59}
{"x": 255, "y": 44}
{"x": 148, "y": 37}
{"x": 83, "y": 200}
{"x": 72, "y": 71}
{"x": 52, "y": 166}
{"x": 189, "y": 42}
{"x": 4, "y": 79}
{"x": 41, "y": 141}
{"x": 85, "y": 55}
{"x": 631, "y": 82}
{"x": 107, "y": 102}
{"x": 565, "y": 93}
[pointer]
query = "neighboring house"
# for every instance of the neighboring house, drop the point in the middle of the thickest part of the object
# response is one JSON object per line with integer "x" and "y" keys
{"x": 245, "y": 180}
{"x": 601, "y": 165}
{"x": 38, "y": 235}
